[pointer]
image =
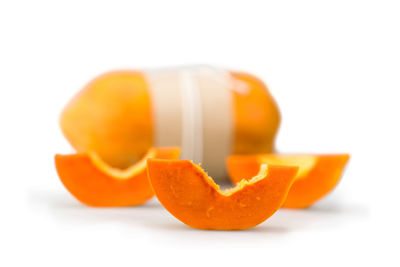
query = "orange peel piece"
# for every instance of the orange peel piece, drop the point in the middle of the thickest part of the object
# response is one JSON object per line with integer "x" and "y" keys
{"x": 90, "y": 180}
{"x": 318, "y": 174}
{"x": 190, "y": 195}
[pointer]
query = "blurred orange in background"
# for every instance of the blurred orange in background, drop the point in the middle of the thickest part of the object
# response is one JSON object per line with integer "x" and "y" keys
{"x": 114, "y": 116}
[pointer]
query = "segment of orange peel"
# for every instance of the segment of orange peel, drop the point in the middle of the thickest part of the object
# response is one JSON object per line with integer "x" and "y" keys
{"x": 190, "y": 195}
{"x": 94, "y": 183}
{"x": 318, "y": 174}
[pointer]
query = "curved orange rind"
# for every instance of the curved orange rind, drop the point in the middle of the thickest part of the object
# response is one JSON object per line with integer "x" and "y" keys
{"x": 318, "y": 174}
{"x": 90, "y": 180}
{"x": 190, "y": 195}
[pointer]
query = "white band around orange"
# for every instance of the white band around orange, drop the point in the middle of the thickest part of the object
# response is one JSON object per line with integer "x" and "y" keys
{"x": 192, "y": 108}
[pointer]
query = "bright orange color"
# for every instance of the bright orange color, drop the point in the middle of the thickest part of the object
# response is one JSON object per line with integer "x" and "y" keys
{"x": 318, "y": 174}
{"x": 112, "y": 116}
{"x": 95, "y": 183}
{"x": 256, "y": 116}
{"x": 190, "y": 195}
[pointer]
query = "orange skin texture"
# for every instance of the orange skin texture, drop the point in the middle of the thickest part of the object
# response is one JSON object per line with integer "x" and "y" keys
{"x": 94, "y": 183}
{"x": 112, "y": 116}
{"x": 190, "y": 195}
{"x": 320, "y": 178}
{"x": 257, "y": 117}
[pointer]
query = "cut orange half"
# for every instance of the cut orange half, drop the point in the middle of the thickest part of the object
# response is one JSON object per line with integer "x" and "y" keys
{"x": 89, "y": 179}
{"x": 318, "y": 174}
{"x": 190, "y": 195}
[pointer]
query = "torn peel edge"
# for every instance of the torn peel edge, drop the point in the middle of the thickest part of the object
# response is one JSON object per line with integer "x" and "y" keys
{"x": 185, "y": 190}
{"x": 134, "y": 169}
{"x": 305, "y": 163}
{"x": 261, "y": 175}
{"x": 319, "y": 173}
{"x": 92, "y": 183}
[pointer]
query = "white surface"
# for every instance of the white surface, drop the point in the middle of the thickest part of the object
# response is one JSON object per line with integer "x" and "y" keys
{"x": 334, "y": 69}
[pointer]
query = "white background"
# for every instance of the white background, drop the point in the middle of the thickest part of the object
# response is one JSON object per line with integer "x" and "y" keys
{"x": 333, "y": 66}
